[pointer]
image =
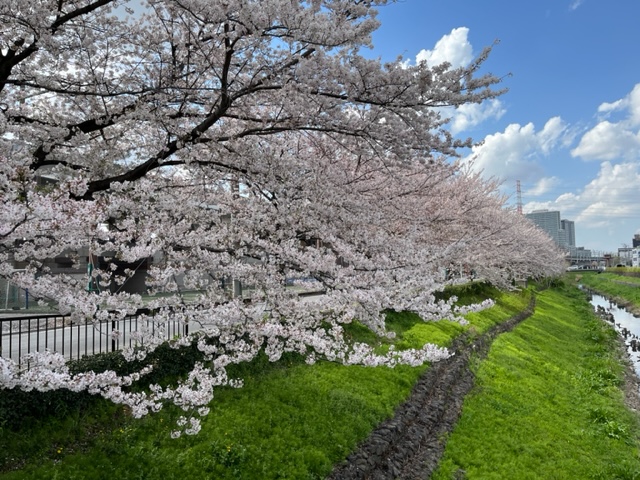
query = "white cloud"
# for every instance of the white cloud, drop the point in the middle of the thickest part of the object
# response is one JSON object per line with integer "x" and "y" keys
{"x": 608, "y": 141}
{"x": 575, "y": 4}
{"x": 456, "y": 49}
{"x": 612, "y": 107}
{"x": 542, "y": 186}
{"x": 471, "y": 114}
{"x": 514, "y": 153}
{"x": 614, "y": 140}
{"x": 605, "y": 211}
{"x": 453, "y": 48}
{"x": 554, "y": 130}
{"x": 611, "y": 196}
{"x": 634, "y": 106}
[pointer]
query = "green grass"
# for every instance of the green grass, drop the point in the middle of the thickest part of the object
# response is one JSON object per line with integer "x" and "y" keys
{"x": 625, "y": 270}
{"x": 290, "y": 420}
{"x": 547, "y": 404}
{"x": 293, "y": 424}
{"x": 621, "y": 287}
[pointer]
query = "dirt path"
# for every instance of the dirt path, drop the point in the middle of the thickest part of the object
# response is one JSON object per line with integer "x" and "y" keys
{"x": 410, "y": 444}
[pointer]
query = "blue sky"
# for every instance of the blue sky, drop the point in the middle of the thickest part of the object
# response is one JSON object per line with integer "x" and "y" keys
{"x": 569, "y": 126}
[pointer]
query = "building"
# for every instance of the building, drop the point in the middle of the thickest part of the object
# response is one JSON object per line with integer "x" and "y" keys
{"x": 549, "y": 222}
{"x": 569, "y": 227}
{"x": 636, "y": 240}
{"x": 562, "y": 232}
{"x": 625, "y": 255}
{"x": 580, "y": 254}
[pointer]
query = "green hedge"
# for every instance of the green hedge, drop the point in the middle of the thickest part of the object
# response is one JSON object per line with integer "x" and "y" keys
{"x": 19, "y": 408}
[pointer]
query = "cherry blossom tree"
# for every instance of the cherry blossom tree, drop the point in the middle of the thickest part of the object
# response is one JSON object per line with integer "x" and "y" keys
{"x": 495, "y": 242}
{"x": 237, "y": 141}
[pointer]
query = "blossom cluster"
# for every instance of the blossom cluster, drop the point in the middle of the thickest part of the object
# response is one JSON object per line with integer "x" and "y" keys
{"x": 250, "y": 150}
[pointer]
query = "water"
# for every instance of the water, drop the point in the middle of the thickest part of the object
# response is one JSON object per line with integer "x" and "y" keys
{"x": 627, "y": 325}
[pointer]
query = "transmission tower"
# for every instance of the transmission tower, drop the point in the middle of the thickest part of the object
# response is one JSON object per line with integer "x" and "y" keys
{"x": 519, "y": 197}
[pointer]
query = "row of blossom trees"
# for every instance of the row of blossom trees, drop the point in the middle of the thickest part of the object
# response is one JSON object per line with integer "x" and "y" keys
{"x": 246, "y": 140}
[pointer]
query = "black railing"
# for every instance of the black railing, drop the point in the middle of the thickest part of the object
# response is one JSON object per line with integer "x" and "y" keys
{"x": 21, "y": 335}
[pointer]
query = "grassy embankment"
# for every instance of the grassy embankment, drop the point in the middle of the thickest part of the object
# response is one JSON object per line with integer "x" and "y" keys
{"x": 548, "y": 402}
{"x": 290, "y": 420}
{"x": 623, "y": 289}
{"x": 548, "y": 406}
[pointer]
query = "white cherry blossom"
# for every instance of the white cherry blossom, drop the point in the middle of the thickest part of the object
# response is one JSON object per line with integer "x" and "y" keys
{"x": 239, "y": 141}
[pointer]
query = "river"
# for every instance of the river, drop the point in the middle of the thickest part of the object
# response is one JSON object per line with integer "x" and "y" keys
{"x": 627, "y": 325}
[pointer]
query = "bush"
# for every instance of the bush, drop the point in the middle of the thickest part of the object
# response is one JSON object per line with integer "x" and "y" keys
{"x": 19, "y": 408}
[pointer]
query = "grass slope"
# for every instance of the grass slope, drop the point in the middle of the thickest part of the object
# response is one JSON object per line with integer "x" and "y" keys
{"x": 289, "y": 421}
{"x": 625, "y": 290}
{"x": 548, "y": 403}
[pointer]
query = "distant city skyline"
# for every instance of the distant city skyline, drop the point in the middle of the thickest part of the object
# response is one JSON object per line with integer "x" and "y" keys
{"x": 563, "y": 232}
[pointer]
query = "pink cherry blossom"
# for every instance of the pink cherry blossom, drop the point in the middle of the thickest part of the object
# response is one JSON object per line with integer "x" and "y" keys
{"x": 238, "y": 143}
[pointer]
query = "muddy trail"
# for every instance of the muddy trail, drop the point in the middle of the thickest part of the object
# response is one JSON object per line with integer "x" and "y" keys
{"x": 409, "y": 445}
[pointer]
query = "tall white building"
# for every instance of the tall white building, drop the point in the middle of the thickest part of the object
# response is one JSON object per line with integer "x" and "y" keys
{"x": 549, "y": 222}
{"x": 562, "y": 232}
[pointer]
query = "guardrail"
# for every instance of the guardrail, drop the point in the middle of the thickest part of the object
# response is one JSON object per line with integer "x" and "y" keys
{"x": 21, "y": 335}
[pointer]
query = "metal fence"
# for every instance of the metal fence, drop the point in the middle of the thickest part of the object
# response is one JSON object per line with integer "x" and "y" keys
{"x": 21, "y": 335}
